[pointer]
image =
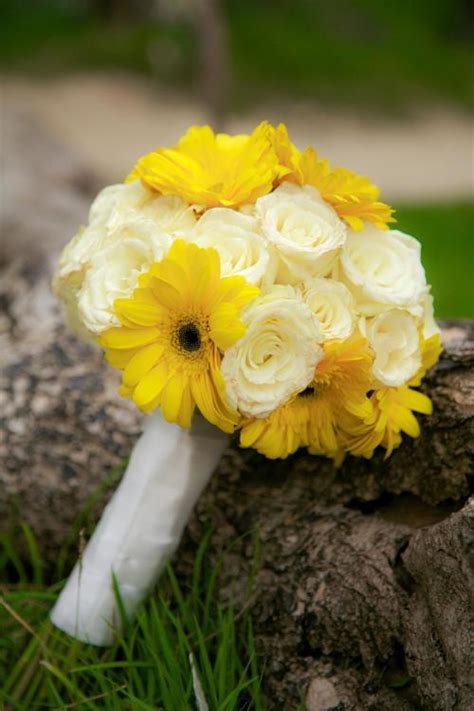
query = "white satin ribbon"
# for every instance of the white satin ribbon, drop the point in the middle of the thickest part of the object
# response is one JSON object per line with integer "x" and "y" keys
{"x": 141, "y": 527}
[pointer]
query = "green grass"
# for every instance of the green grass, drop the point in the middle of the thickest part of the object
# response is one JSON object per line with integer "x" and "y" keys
{"x": 364, "y": 52}
{"x": 148, "y": 667}
{"x": 447, "y": 236}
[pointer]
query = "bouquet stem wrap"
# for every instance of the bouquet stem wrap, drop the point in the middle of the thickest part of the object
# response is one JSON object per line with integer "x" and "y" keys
{"x": 141, "y": 527}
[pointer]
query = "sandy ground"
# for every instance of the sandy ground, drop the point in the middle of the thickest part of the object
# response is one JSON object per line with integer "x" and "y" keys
{"x": 111, "y": 120}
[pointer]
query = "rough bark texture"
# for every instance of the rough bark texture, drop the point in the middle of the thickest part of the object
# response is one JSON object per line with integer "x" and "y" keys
{"x": 439, "y": 619}
{"x": 363, "y": 604}
{"x": 63, "y": 426}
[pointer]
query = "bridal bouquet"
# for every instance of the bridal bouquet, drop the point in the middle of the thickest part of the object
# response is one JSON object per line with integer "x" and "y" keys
{"x": 240, "y": 285}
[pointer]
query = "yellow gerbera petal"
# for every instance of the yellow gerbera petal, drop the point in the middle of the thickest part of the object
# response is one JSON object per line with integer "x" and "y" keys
{"x": 236, "y": 290}
{"x": 251, "y": 432}
{"x": 151, "y": 385}
{"x": 187, "y": 406}
{"x": 209, "y": 393}
{"x": 392, "y": 414}
{"x": 225, "y": 326}
{"x": 273, "y": 437}
{"x": 120, "y": 358}
{"x": 134, "y": 311}
{"x": 169, "y": 270}
{"x": 123, "y": 337}
{"x": 406, "y": 421}
{"x": 173, "y": 398}
{"x": 167, "y": 295}
{"x": 213, "y": 169}
{"x": 414, "y": 400}
{"x": 141, "y": 363}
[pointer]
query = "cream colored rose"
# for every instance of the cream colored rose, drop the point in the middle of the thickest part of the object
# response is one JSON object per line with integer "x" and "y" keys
{"x": 113, "y": 272}
{"x": 241, "y": 247}
{"x": 333, "y": 305}
{"x": 114, "y": 207}
{"x": 395, "y": 339}
{"x": 129, "y": 226}
{"x": 305, "y": 231}
{"x": 112, "y": 199}
{"x": 383, "y": 270}
{"x": 278, "y": 354}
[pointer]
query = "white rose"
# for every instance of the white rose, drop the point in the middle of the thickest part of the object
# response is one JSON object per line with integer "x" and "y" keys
{"x": 333, "y": 304}
{"x": 305, "y": 230}
{"x": 395, "y": 339}
{"x": 278, "y": 354}
{"x": 113, "y": 272}
{"x": 113, "y": 198}
{"x": 114, "y": 207}
{"x": 129, "y": 226}
{"x": 241, "y": 247}
{"x": 383, "y": 270}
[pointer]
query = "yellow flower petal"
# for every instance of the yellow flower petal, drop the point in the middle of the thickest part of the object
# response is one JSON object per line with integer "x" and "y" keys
{"x": 151, "y": 385}
{"x": 122, "y": 337}
{"x": 140, "y": 313}
{"x": 407, "y": 422}
{"x": 415, "y": 400}
{"x": 141, "y": 363}
{"x": 213, "y": 169}
{"x": 392, "y": 414}
{"x": 119, "y": 359}
{"x": 208, "y": 392}
{"x": 225, "y": 326}
{"x": 187, "y": 407}
{"x": 173, "y": 273}
{"x": 236, "y": 289}
{"x": 251, "y": 432}
{"x": 172, "y": 401}
{"x": 167, "y": 295}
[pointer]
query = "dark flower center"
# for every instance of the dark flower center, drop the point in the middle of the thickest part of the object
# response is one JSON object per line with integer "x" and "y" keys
{"x": 307, "y": 392}
{"x": 189, "y": 337}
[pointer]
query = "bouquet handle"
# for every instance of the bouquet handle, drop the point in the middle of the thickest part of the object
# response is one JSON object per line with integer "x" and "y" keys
{"x": 141, "y": 527}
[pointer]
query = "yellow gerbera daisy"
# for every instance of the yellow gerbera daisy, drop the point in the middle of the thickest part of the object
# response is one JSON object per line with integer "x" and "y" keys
{"x": 352, "y": 196}
{"x": 313, "y": 417}
{"x": 213, "y": 169}
{"x": 392, "y": 414}
{"x": 173, "y": 329}
{"x": 393, "y": 411}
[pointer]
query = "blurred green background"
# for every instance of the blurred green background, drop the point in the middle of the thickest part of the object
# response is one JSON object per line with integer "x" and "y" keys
{"x": 378, "y": 53}
{"x": 377, "y": 59}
